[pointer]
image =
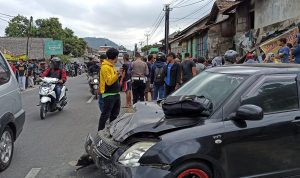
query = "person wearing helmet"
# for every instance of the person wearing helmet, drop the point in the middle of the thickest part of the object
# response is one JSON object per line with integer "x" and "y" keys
{"x": 93, "y": 68}
{"x": 158, "y": 76}
{"x": 250, "y": 59}
{"x": 55, "y": 71}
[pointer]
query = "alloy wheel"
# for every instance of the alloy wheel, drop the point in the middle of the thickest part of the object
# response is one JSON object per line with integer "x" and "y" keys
{"x": 6, "y": 146}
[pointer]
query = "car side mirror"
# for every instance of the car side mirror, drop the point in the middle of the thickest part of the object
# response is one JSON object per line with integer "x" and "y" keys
{"x": 249, "y": 112}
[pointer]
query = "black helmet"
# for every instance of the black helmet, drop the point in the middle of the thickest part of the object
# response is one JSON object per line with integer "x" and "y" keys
{"x": 161, "y": 57}
{"x": 56, "y": 62}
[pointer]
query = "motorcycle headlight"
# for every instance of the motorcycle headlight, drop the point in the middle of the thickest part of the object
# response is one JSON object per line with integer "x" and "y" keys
{"x": 131, "y": 157}
{"x": 44, "y": 91}
{"x": 95, "y": 80}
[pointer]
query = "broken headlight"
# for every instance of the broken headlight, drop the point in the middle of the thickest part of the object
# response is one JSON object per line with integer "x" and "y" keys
{"x": 132, "y": 155}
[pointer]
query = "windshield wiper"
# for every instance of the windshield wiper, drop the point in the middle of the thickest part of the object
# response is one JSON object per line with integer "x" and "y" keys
{"x": 158, "y": 122}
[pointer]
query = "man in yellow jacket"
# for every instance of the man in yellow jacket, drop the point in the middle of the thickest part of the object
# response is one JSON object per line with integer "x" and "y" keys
{"x": 109, "y": 88}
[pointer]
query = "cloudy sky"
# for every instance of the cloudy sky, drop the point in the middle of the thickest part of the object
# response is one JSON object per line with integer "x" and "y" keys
{"x": 123, "y": 21}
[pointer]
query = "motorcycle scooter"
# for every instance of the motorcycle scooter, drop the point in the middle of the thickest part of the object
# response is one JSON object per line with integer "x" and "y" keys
{"x": 48, "y": 97}
{"x": 94, "y": 84}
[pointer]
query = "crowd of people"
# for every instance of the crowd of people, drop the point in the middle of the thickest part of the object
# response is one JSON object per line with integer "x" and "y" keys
{"x": 28, "y": 71}
{"x": 158, "y": 75}
{"x": 143, "y": 79}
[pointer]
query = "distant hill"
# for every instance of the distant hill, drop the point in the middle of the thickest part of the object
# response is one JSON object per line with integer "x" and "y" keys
{"x": 96, "y": 42}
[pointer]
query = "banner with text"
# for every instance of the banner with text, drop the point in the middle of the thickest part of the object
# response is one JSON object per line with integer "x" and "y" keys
{"x": 272, "y": 45}
{"x": 54, "y": 47}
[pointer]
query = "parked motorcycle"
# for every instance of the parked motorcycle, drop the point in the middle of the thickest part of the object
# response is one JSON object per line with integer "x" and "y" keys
{"x": 48, "y": 97}
{"x": 94, "y": 84}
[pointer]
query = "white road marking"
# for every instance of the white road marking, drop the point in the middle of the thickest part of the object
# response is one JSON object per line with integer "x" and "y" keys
{"x": 91, "y": 99}
{"x": 33, "y": 173}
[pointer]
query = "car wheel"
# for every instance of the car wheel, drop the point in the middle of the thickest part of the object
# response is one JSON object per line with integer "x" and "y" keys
{"x": 193, "y": 170}
{"x": 6, "y": 148}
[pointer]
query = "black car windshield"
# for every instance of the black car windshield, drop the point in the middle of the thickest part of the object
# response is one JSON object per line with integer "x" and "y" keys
{"x": 214, "y": 86}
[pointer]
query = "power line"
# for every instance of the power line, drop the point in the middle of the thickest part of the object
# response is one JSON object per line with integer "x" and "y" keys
{"x": 188, "y": 4}
{"x": 156, "y": 27}
{"x": 173, "y": 1}
{"x": 158, "y": 17}
{"x": 180, "y": 2}
{"x": 158, "y": 24}
{"x": 155, "y": 24}
{"x": 195, "y": 11}
{"x": 4, "y": 20}
{"x": 6, "y": 15}
{"x": 202, "y": 14}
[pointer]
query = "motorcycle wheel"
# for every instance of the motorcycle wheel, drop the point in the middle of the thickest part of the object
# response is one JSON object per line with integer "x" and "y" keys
{"x": 96, "y": 94}
{"x": 43, "y": 111}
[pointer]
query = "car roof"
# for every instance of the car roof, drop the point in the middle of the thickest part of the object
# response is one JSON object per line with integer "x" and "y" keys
{"x": 257, "y": 69}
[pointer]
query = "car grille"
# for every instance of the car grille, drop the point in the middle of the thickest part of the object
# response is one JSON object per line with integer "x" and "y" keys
{"x": 104, "y": 147}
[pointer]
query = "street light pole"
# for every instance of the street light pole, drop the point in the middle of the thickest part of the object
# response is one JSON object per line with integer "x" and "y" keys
{"x": 167, "y": 23}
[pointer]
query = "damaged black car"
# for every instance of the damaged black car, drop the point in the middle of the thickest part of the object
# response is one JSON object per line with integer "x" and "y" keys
{"x": 234, "y": 121}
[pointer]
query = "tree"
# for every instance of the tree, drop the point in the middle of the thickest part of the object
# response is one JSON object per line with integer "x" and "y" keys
{"x": 148, "y": 47}
{"x": 49, "y": 28}
{"x": 17, "y": 27}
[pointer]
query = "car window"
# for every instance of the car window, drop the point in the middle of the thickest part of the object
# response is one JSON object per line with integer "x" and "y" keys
{"x": 4, "y": 71}
{"x": 275, "y": 96}
{"x": 214, "y": 86}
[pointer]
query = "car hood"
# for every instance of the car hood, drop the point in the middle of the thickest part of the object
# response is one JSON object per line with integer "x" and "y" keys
{"x": 147, "y": 118}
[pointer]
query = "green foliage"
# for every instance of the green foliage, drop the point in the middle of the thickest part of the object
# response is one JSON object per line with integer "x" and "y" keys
{"x": 47, "y": 28}
{"x": 148, "y": 47}
{"x": 17, "y": 27}
{"x": 64, "y": 58}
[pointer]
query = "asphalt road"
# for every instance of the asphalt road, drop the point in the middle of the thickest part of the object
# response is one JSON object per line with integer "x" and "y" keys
{"x": 49, "y": 148}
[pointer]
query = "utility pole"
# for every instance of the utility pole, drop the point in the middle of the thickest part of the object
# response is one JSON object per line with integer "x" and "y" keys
{"x": 135, "y": 50}
{"x": 28, "y": 36}
{"x": 167, "y": 14}
{"x": 147, "y": 36}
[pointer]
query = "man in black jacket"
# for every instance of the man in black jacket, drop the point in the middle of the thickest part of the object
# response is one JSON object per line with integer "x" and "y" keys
{"x": 173, "y": 74}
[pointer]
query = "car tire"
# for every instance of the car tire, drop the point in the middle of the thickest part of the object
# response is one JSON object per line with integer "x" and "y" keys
{"x": 7, "y": 133}
{"x": 193, "y": 169}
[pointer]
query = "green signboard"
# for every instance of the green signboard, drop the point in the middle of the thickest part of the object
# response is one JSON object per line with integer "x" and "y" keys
{"x": 54, "y": 47}
{"x": 153, "y": 50}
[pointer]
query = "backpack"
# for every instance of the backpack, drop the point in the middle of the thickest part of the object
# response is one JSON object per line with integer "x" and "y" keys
{"x": 159, "y": 75}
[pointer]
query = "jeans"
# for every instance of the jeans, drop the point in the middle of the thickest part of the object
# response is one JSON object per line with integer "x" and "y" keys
{"x": 22, "y": 82}
{"x": 100, "y": 102}
{"x": 169, "y": 90}
{"x": 57, "y": 91}
{"x": 30, "y": 81}
{"x": 138, "y": 90}
{"x": 158, "y": 92}
{"x": 111, "y": 110}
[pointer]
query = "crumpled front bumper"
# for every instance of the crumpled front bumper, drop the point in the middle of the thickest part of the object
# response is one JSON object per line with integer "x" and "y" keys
{"x": 112, "y": 168}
